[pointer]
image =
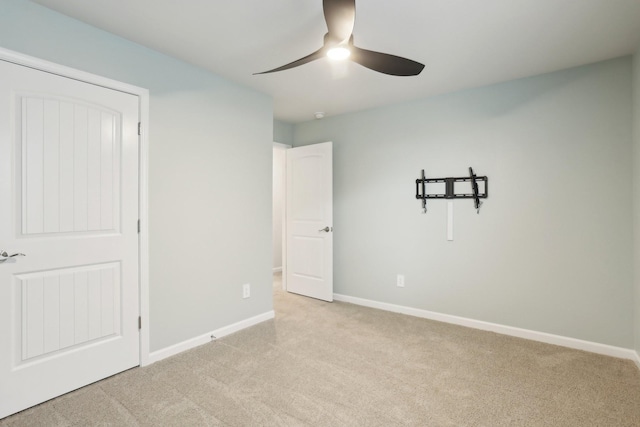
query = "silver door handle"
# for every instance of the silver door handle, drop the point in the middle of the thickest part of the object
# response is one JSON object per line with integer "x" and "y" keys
{"x": 5, "y": 256}
{"x": 326, "y": 229}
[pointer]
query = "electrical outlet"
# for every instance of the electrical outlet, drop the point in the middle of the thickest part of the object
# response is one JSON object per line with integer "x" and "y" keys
{"x": 246, "y": 290}
{"x": 400, "y": 281}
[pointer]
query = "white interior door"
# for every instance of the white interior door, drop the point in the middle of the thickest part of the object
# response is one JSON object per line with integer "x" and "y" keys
{"x": 69, "y": 201}
{"x": 309, "y": 213}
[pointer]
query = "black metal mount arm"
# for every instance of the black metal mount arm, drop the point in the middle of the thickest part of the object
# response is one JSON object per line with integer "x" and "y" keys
{"x": 450, "y": 193}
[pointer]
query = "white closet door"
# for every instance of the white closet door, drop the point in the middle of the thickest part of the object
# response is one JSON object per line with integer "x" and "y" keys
{"x": 69, "y": 202}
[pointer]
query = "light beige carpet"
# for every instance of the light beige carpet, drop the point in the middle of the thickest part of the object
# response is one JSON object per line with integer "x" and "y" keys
{"x": 322, "y": 364}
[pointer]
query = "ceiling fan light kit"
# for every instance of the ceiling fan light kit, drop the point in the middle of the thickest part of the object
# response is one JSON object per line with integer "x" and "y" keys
{"x": 338, "y": 53}
{"x": 340, "y": 16}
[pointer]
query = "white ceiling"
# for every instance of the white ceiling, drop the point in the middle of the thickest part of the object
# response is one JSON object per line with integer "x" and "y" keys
{"x": 464, "y": 43}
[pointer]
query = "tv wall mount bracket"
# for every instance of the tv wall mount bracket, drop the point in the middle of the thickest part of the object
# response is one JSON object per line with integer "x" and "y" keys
{"x": 450, "y": 193}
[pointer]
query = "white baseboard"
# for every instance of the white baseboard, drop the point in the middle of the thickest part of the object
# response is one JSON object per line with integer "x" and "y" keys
{"x": 206, "y": 338}
{"x": 637, "y": 359}
{"x": 608, "y": 350}
{"x": 277, "y": 269}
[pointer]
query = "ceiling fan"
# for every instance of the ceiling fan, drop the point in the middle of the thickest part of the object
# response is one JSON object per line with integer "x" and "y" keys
{"x": 340, "y": 16}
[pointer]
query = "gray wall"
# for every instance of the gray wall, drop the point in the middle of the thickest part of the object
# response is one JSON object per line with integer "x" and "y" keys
{"x": 636, "y": 193}
{"x": 551, "y": 249}
{"x": 282, "y": 132}
{"x": 210, "y": 141}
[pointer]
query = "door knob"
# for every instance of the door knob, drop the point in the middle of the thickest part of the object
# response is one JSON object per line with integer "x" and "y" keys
{"x": 5, "y": 256}
{"x": 326, "y": 229}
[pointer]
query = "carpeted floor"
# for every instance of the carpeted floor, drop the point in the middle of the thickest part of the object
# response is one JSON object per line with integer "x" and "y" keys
{"x": 322, "y": 364}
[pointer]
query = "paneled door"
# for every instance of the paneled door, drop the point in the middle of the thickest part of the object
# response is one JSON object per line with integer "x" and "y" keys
{"x": 68, "y": 202}
{"x": 309, "y": 227}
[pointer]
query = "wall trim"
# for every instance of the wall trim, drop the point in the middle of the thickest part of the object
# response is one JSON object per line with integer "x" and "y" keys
{"x": 206, "y": 338}
{"x": 64, "y": 71}
{"x": 593, "y": 347}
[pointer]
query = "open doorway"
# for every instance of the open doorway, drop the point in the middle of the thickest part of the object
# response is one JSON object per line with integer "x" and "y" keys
{"x": 279, "y": 192}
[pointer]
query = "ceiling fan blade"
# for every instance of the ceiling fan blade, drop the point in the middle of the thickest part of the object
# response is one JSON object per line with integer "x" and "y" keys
{"x": 312, "y": 57}
{"x": 340, "y": 16}
{"x": 385, "y": 63}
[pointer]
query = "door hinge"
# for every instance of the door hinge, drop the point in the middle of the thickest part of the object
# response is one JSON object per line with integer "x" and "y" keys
{"x": 139, "y": 322}
{"x": 138, "y": 226}
{"x": 139, "y": 128}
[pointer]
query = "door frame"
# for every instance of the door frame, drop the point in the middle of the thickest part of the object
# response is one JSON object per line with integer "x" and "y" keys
{"x": 143, "y": 170}
{"x": 283, "y": 237}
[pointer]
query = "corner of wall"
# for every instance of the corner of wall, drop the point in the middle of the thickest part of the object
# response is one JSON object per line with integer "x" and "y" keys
{"x": 282, "y": 132}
